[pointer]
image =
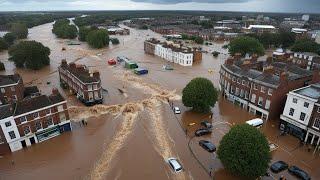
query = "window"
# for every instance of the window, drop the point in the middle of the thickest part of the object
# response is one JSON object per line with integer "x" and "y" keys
{"x": 267, "y": 106}
{"x": 253, "y": 98}
{"x": 12, "y": 135}
{"x": 35, "y": 115}
{"x": 318, "y": 110}
{"x": 295, "y": 100}
{"x": 23, "y": 119}
{"x": 260, "y": 101}
{"x": 26, "y": 130}
{"x": 302, "y": 116}
{"x": 316, "y": 123}
{"x": 89, "y": 87}
{"x": 238, "y": 81}
{"x": 49, "y": 121}
{"x": 8, "y": 123}
{"x": 48, "y": 111}
{"x": 243, "y": 82}
{"x": 60, "y": 108}
{"x": 14, "y": 97}
{"x": 270, "y": 91}
{"x": 233, "y": 79}
{"x": 62, "y": 117}
{"x": 3, "y": 90}
{"x": 263, "y": 89}
{"x": 291, "y": 112}
{"x": 306, "y": 104}
{"x": 237, "y": 91}
{"x": 12, "y": 89}
{"x": 38, "y": 125}
{"x": 255, "y": 86}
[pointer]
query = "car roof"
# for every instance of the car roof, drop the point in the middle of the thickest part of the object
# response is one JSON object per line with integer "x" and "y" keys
{"x": 174, "y": 163}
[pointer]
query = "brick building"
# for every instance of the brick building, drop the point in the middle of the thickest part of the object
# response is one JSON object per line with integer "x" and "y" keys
{"x": 261, "y": 92}
{"x": 33, "y": 120}
{"x": 78, "y": 79}
{"x": 11, "y": 88}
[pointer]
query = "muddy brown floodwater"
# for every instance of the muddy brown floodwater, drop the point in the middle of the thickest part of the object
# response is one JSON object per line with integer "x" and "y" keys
{"x": 132, "y": 134}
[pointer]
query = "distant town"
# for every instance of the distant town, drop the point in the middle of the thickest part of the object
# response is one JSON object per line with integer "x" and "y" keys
{"x": 159, "y": 95}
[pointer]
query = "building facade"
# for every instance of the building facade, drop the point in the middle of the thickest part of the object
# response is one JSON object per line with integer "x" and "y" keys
{"x": 261, "y": 92}
{"x": 11, "y": 88}
{"x": 78, "y": 79}
{"x": 301, "y": 115}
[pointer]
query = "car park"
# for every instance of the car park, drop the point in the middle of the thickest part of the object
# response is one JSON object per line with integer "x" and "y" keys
{"x": 176, "y": 110}
{"x": 202, "y": 131}
{"x": 301, "y": 174}
{"x": 174, "y": 164}
{"x": 278, "y": 166}
{"x": 206, "y": 124}
{"x": 208, "y": 146}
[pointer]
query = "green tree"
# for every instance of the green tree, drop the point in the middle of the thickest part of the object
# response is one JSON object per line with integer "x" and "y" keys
{"x": 83, "y": 32}
{"x": 246, "y": 45}
{"x": 287, "y": 39}
{"x": 3, "y": 44}
{"x": 63, "y": 29}
{"x": 244, "y": 151}
{"x": 30, "y": 54}
{"x": 98, "y": 38}
{"x": 9, "y": 38}
{"x": 19, "y": 30}
{"x": 306, "y": 45}
{"x": 200, "y": 94}
{"x": 184, "y": 36}
{"x": 198, "y": 40}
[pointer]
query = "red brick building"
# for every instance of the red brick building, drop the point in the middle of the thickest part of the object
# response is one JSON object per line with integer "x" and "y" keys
{"x": 11, "y": 88}
{"x": 261, "y": 92}
{"x": 78, "y": 79}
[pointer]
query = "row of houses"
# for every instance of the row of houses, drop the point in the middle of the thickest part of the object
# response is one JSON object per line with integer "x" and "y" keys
{"x": 27, "y": 117}
{"x": 172, "y": 52}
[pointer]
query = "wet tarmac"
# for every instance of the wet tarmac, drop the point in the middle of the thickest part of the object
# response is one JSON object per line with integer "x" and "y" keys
{"x": 133, "y": 133}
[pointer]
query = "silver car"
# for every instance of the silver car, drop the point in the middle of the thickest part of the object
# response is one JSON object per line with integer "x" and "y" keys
{"x": 174, "y": 164}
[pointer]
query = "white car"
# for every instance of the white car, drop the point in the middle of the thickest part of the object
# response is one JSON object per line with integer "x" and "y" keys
{"x": 174, "y": 164}
{"x": 176, "y": 110}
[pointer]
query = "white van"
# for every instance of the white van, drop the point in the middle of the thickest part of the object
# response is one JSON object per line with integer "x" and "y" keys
{"x": 255, "y": 122}
{"x": 175, "y": 165}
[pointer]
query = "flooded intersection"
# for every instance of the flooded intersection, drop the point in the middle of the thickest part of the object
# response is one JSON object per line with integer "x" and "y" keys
{"x": 134, "y": 132}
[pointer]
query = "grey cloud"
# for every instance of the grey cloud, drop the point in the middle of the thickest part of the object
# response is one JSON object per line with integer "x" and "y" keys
{"x": 186, "y": 1}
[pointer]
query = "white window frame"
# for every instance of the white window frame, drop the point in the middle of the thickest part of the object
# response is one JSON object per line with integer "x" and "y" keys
{"x": 315, "y": 120}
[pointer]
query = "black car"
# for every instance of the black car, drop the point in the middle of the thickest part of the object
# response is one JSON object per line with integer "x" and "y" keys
{"x": 278, "y": 166}
{"x": 294, "y": 170}
{"x": 207, "y": 145}
{"x": 206, "y": 124}
{"x": 201, "y": 132}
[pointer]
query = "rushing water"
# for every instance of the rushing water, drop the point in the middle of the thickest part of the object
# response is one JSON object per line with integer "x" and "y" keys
{"x": 134, "y": 132}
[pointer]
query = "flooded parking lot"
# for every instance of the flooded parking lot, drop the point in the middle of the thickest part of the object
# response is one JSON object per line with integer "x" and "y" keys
{"x": 132, "y": 134}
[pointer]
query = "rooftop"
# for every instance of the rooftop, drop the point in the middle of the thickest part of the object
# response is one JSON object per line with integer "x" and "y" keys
{"x": 9, "y": 79}
{"x": 312, "y": 91}
{"x": 5, "y": 111}
{"x": 261, "y": 27}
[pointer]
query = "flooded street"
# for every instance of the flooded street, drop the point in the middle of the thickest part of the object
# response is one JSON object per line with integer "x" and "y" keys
{"x": 132, "y": 134}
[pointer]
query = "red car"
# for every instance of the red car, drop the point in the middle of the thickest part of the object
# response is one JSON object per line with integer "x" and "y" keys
{"x": 112, "y": 62}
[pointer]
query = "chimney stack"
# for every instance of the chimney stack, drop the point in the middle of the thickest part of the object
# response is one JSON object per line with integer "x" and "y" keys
{"x": 55, "y": 91}
{"x": 96, "y": 74}
{"x": 268, "y": 70}
{"x": 316, "y": 76}
{"x": 64, "y": 62}
{"x": 230, "y": 61}
{"x": 283, "y": 77}
{"x": 237, "y": 56}
{"x": 72, "y": 65}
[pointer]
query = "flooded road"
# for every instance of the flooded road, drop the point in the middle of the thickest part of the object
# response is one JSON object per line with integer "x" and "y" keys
{"x": 132, "y": 134}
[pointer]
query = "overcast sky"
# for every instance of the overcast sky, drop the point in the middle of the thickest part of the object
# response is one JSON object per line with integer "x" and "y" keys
{"x": 296, "y": 6}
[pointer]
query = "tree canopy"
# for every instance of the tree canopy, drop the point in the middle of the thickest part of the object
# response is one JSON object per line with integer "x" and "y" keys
{"x": 3, "y": 44}
{"x": 63, "y": 29}
{"x": 283, "y": 38}
{"x": 246, "y": 45}
{"x": 29, "y": 54}
{"x": 200, "y": 94}
{"x": 244, "y": 151}
{"x": 98, "y": 38}
{"x": 306, "y": 45}
{"x": 83, "y": 32}
{"x": 2, "y": 67}
{"x": 114, "y": 41}
{"x": 9, "y": 38}
{"x": 19, "y": 30}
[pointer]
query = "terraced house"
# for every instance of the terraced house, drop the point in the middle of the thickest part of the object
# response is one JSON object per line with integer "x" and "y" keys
{"x": 261, "y": 87}
{"x": 78, "y": 79}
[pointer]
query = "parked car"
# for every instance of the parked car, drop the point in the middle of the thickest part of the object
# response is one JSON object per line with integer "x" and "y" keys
{"x": 206, "y": 124}
{"x": 201, "y": 132}
{"x": 278, "y": 166}
{"x": 176, "y": 110}
{"x": 140, "y": 71}
{"x": 208, "y": 146}
{"x": 294, "y": 170}
{"x": 174, "y": 164}
{"x": 167, "y": 67}
{"x": 112, "y": 62}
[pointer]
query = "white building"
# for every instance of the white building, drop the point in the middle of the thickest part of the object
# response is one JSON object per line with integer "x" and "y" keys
{"x": 301, "y": 115}
{"x": 184, "y": 57}
{"x": 305, "y": 17}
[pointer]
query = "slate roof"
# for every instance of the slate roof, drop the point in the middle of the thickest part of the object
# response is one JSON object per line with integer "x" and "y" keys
{"x": 9, "y": 79}
{"x": 312, "y": 91}
{"x": 5, "y": 111}
{"x": 82, "y": 74}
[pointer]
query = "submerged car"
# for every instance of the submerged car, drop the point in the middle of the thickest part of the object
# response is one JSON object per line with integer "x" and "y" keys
{"x": 174, "y": 164}
{"x": 301, "y": 174}
{"x": 112, "y": 62}
{"x": 206, "y": 124}
{"x": 176, "y": 110}
{"x": 208, "y": 146}
{"x": 278, "y": 166}
{"x": 201, "y": 132}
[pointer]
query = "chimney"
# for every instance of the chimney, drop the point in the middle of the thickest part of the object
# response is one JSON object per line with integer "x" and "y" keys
{"x": 72, "y": 65}
{"x": 254, "y": 58}
{"x": 230, "y": 61}
{"x": 96, "y": 74}
{"x": 246, "y": 65}
{"x": 283, "y": 77}
{"x": 237, "y": 56}
{"x": 55, "y": 91}
{"x": 64, "y": 62}
{"x": 316, "y": 76}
